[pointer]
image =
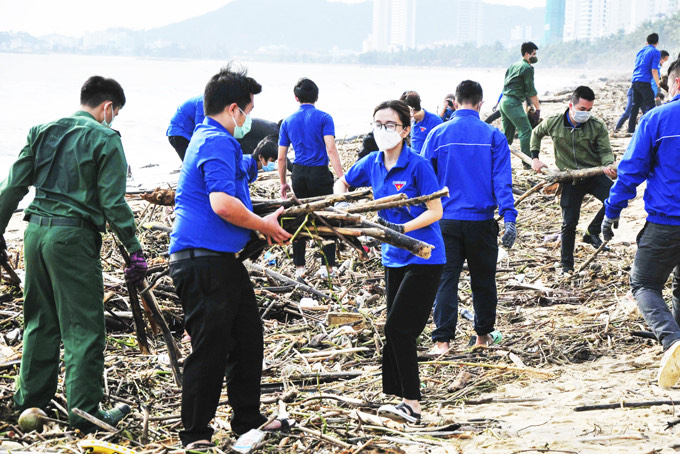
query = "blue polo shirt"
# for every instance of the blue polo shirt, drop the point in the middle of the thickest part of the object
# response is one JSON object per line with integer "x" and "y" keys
{"x": 188, "y": 115}
{"x": 250, "y": 167}
{"x": 411, "y": 175}
{"x": 472, "y": 159}
{"x": 305, "y": 130}
{"x": 213, "y": 163}
{"x": 653, "y": 154}
{"x": 420, "y": 129}
{"x": 646, "y": 60}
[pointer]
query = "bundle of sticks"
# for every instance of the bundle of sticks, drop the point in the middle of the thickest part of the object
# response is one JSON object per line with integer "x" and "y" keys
{"x": 318, "y": 218}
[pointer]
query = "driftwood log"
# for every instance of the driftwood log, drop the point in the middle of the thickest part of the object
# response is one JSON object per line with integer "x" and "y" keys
{"x": 560, "y": 176}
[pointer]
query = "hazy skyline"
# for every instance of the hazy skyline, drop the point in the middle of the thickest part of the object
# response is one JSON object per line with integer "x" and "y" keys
{"x": 76, "y": 17}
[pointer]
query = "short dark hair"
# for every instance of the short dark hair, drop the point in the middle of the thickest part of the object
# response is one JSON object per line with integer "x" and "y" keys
{"x": 306, "y": 91}
{"x": 528, "y": 48}
{"x": 98, "y": 89}
{"x": 229, "y": 86}
{"x": 674, "y": 70}
{"x": 664, "y": 54}
{"x": 653, "y": 38}
{"x": 582, "y": 92}
{"x": 400, "y": 107}
{"x": 412, "y": 99}
{"x": 267, "y": 148}
{"x": 469, "y": 92}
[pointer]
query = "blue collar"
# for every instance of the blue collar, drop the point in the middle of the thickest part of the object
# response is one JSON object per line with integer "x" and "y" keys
{"x": 215, "y": 123}
{"x": 466, "y": 113}
{"x": 402, "y": 161}
{"x": 307, "y": 106}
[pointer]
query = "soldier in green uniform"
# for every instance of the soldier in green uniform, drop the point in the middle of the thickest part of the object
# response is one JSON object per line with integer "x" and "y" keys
{"x": 518, "y": 86}
{"x": 78, "y": 169}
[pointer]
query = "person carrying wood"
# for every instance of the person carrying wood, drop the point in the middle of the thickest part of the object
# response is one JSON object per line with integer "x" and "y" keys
{"x": 214, "y": 220}
{"x": 518, "y": 86}
{"x": 580, "y": 141}
{"x": 78, "y": 168}
{"x": 312, "y": 134}
{"x": 653, "y": 155}
{"x": 411, "y": 282}
{"x": 472, "y": 159}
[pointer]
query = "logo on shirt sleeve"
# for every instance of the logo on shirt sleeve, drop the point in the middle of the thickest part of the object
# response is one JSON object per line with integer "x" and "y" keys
{"x": 399, "y": 184}
{"x": 423, "y": 129}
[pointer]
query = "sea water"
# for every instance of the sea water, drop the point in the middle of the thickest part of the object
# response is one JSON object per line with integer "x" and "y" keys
{"x": 36, "y": 88}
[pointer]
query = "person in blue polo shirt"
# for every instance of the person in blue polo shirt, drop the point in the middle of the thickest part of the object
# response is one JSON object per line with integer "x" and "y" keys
{"x": 654, "y": 155}
{"x": 646, "y": 70}
{"x": 182, "y": 124}
{"x": 472, "y": 159}
{"x": 312, "y": 134}
{"x": 411, "y": 282}
{"x": 422, "y": 121}
{"x": 655, "y": 88}
{"x": 190, "y": 114}
{"x": 214, "y": 220}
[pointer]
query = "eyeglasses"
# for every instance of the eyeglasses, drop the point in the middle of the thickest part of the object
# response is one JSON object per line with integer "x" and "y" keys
{"x": 390, "y": 127}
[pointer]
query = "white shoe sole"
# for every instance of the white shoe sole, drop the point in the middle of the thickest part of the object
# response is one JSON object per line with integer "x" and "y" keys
{"x": 669, "y": 370}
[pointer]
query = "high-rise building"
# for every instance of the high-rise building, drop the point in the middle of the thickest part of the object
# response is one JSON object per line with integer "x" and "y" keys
{"x": 468, "y": 27}
{"x": 592, "y": 19}
{"x": 394, "y": 26}
{"x": 554, "y": 21}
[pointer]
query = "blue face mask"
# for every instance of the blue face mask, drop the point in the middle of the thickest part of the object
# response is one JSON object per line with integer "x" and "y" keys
{"x": 269, "y": 167}
{"x": 108, "y": 123}
{"x": 240, "y": 131}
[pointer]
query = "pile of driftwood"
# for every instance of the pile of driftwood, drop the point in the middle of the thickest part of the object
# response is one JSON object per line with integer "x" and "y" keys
{"x": 323, "y": 337}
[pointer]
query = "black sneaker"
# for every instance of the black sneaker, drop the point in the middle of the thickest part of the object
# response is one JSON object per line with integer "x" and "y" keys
{"x": 114, "y": 415}
{"x": 595, "y": 240}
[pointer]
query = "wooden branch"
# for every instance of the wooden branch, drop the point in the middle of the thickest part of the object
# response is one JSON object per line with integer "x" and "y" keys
{"x": 570, "y": 175}
{"x": 649, "y": 403}
{"x": 389, "y": 236}
{"x": 401, "y": 203}
{"x": 262, "y": 206}
{"x": 13, "y": 278}
{"x": 314, "y": 206}
{"x": 173, "y": 351}
{"x": 281, "y": 278}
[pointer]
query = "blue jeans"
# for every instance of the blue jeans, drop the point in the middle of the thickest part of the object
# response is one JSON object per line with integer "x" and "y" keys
{"x": 657, "y": 256}
{"x": 475, "y": 241}
{"x": 629, "y": 109}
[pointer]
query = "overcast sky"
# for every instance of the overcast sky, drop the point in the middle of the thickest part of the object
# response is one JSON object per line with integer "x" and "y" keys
{"x": 75, "y": 17}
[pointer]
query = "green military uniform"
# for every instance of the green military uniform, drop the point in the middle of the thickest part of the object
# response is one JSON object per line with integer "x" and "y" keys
{"x": 78, "y": 169}
{"x": 582, "y": 147}
{"x": 518, "y": 85}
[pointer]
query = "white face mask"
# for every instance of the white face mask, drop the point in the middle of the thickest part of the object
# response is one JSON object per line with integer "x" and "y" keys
{"x": 386, "y": 140}
{"x": 581, "y": 116}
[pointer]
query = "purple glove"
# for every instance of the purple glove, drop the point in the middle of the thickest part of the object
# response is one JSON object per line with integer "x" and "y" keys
{"x": 3, "y": 249}
{"x": 136, "y": 272}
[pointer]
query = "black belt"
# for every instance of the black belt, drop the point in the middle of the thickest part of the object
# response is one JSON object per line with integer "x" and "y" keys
{"x": 197, "y": 252}
{"x": 61, "y": 222}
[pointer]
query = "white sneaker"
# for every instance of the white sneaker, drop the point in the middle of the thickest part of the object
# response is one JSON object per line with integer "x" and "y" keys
{"x": 323, "y": 272}
{"x": 300, "y": 272}
{"x": 669, "y": 370}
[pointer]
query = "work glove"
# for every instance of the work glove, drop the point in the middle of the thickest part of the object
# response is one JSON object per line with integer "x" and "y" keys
{"x": 391, "y": 225}
{"x": 342, "y": 205}
{"x": 3, "y": 249}
{"x": 537, "y": 115}
{"x": 608, "y": 224}
{"x": 136, "y": 272}
{"x": 510, "y": 235}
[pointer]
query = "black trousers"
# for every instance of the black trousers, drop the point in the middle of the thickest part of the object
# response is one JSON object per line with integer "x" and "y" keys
{"x": 643, "y": 98}
{"x": 180, "y": 145}
{"x": 572, "y": 197}
{"x": 311, "y": 181}
{"x": 658, "y": 255}
{"x": 410, "y": 293}
{"x": 221, "y": 316}
{"x": 477, "y": 242}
